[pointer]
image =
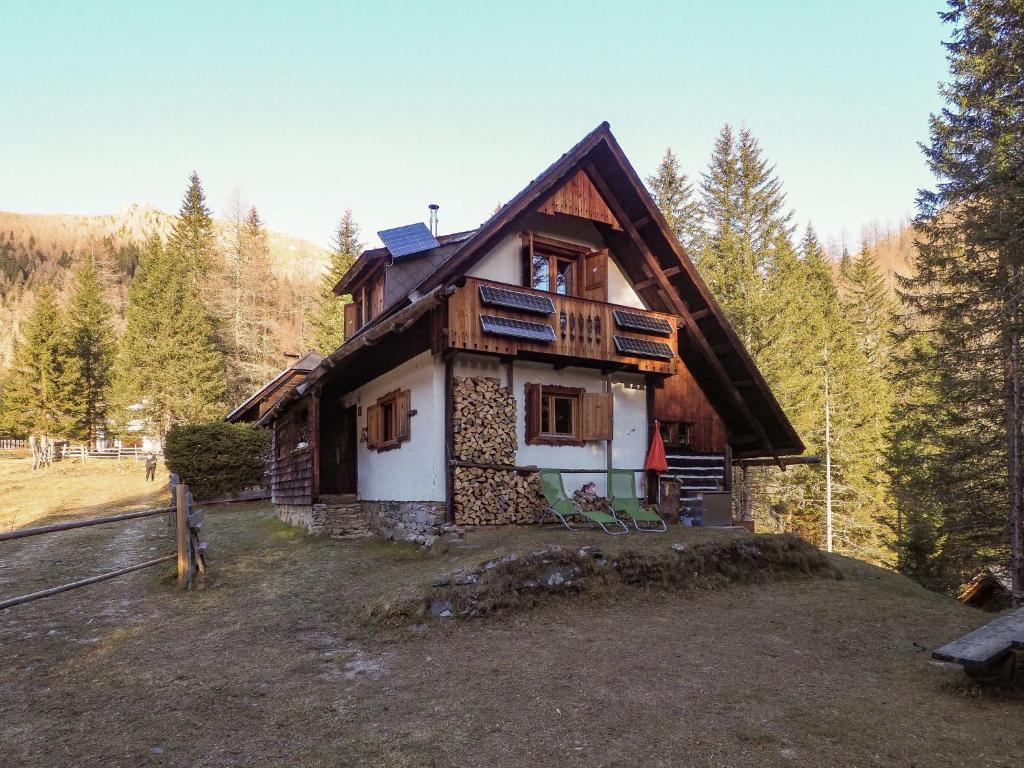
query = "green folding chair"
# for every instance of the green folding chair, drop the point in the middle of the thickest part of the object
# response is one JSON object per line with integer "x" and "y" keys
{"x": 563, "y": 507}
{"x": 623, "y": 500}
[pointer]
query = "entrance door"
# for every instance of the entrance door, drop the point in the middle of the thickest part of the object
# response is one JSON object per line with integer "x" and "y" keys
{"x": 338, "y": 444}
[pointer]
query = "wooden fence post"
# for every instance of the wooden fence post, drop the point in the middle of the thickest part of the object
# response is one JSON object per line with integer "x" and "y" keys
{"x": 181, "y": 532}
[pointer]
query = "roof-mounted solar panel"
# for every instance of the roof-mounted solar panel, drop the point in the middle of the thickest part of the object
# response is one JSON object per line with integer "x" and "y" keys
{"x": 634, "y": 321}
{"x": 524, "y": 302}
{"x": 627, "y": 345}
{"x": 407, "y": 240}
{"x": 517, "y": 329}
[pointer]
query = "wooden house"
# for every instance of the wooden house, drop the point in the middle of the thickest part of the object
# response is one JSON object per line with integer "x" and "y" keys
{"x": 554, "y": 335}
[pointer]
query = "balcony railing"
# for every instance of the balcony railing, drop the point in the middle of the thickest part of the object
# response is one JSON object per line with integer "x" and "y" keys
{"x": 502, "y": 319}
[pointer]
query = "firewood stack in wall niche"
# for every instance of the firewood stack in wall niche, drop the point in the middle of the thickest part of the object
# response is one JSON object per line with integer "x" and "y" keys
{"x": 484, "y": 432}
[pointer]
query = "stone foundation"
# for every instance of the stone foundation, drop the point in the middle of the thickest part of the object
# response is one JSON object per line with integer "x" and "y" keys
{"x": 329, "y": 517}
{"x": 421, "y": 522}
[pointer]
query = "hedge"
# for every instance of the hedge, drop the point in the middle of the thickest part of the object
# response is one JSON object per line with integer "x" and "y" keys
{"x": 217, "y": 458}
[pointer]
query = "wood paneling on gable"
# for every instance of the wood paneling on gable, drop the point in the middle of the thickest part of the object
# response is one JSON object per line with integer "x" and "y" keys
{"x": 681, "y": 399}
{"x": 579, "y": 197}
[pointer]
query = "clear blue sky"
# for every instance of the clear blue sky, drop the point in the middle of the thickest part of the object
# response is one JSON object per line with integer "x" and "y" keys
{"x": 312, "y": 107}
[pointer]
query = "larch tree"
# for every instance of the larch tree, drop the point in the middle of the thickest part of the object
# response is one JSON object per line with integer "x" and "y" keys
{"x": 962, "y": 348}
{"x": 674, "y": 194}
{"x": 327, "y": 314}
{"x": 90, "y": 342}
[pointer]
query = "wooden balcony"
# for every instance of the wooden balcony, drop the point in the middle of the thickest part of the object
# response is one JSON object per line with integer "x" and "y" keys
{"x": 501, "y": 319}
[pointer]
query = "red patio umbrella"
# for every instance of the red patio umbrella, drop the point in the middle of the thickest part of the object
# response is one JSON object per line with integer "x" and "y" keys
{"x": 656, "y": 455}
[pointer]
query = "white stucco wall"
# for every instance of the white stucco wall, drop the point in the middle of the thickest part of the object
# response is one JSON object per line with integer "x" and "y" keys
{"x": 504, "y": 262}
{"x": 415, "y": 470}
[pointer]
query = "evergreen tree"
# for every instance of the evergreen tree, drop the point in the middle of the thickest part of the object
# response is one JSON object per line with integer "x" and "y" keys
{"x": 674, "y": 194}
{"x": 327, "y": 315}
{"x": 960, "y": 354}
{"x": 193, "y": 234}
{"x": 36, "y": 390}
{"x": 90, "y": 342}
{"x": 749, "y": 230}
{"x": 168, "y": 369}
{"x": 868, "y": 306}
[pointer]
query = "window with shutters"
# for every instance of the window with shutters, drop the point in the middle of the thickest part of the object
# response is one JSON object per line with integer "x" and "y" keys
{"x": 387, "y": 421}
{"x": 557, "y": 415}
{"x": 564, "y": 268}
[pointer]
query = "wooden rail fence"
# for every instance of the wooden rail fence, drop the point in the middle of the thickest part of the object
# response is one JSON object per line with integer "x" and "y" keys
{"x": 190, "y": 551}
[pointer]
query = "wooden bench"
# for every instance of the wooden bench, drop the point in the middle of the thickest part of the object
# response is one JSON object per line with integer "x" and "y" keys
{"x": 980, "y": 651}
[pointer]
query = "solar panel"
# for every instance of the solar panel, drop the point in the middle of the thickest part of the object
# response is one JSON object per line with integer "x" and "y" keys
{"x": 517, "y": 329}
{"x": 634, "y": 321}
{"x": 527, "y": 302}
{"x": 627, "y": 345}
{"x": 412, "y": 238}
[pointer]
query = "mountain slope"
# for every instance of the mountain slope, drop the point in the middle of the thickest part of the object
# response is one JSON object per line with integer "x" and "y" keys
{"x": 38, "y": 248}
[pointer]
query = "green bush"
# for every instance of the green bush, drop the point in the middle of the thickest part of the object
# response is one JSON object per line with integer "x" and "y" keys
{"x": 217, "y": 458}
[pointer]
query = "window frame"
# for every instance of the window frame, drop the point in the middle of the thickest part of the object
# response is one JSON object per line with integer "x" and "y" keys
{"x": 390, "y": 411}
{"x": 555, "y": 252}
{"x": 549, "y": 393}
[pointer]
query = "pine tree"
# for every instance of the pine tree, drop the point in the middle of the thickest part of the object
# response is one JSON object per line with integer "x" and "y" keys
{"x": 673, "y": 192}
{"x": 90, "y": 341}
{"x": 327, "y": 315}
{"x": 868, "y": 305}
{"x": 960, "y": 353}
{"x": 749, "y": 229}
{"x": 193, "y": 233}
{"x": 168, "y": 368}
{"x": 36, "y": 390}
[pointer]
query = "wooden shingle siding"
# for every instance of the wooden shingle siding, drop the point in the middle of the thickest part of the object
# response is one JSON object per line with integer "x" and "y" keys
{"x": 292, "y": 467}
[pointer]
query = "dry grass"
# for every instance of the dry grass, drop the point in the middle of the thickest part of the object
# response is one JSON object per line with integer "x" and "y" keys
{"x": 68, "y": 488}
{"x": 271, "y": 664}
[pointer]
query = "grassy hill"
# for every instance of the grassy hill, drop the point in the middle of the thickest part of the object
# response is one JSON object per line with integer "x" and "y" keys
{"x": 36, "y": 248}
{"x": 276, "y": 647}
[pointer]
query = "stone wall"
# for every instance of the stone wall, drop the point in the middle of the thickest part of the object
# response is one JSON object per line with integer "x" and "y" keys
{"x": 341, "y": 518}
{"x": 421, "y": 522}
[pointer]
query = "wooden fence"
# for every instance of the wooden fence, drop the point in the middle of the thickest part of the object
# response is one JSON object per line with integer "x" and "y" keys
{"x": 10, "y": 443}
{"x": 190, "y": 552}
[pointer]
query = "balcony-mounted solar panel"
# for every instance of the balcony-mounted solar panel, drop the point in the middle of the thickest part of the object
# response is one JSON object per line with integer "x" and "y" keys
{"x": 517, "y": 329}
{"x": 524, "y": 302}
{"x": 407, "y": 240}
{"x": 634, "y": 321}
{"x": 627, "y": 345}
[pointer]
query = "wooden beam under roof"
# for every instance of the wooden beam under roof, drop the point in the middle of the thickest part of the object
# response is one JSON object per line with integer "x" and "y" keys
{"x": 694, "y": 331}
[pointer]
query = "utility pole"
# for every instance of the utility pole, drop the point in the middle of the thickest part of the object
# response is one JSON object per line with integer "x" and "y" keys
{"x": 828, "y": 463}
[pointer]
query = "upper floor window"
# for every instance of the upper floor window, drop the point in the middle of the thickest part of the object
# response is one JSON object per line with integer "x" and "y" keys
{"x": 564, "y": 268}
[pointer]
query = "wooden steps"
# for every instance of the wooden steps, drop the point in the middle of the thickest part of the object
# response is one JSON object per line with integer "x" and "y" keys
{"x": 696, "y": 474}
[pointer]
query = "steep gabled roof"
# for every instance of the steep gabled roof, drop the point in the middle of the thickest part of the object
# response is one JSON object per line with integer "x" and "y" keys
{"x": 293, "y": 373}
{"x": 661, "y": 273}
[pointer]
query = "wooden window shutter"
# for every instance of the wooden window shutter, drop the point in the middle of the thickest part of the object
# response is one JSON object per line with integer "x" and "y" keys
{"x": 595, "y": 276}
{"x": 533, "y": 413}
{"x": 350, "y": 320}
{"x": 378, "y": 296}
{"x": 373, "y": 426}
{"x": 402, "y": 401}
{"x": 596, "y": 422}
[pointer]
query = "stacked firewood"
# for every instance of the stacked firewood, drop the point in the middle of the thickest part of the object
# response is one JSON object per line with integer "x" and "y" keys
{"x": 484, "y": 421}
{"x": 484, "y": 429}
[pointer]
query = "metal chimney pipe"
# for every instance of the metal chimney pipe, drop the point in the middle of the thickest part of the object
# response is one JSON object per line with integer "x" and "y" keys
{"x": 433, "y": 218}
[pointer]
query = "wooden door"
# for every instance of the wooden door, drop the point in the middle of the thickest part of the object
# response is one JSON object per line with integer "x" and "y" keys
{"x": 339, "y": 440}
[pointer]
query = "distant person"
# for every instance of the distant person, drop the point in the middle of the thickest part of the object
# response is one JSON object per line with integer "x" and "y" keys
{"x": 150, "y": 466}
